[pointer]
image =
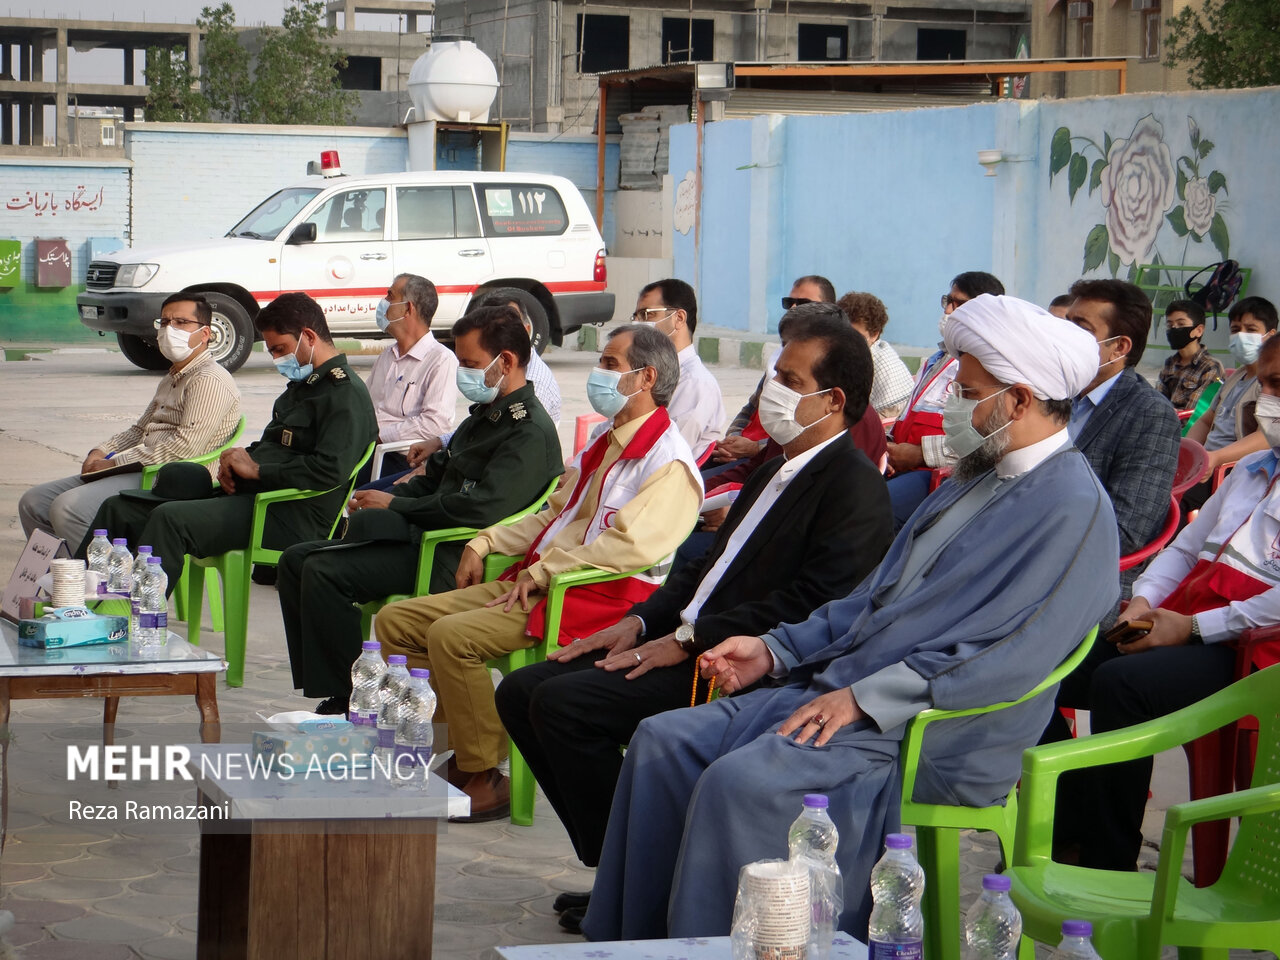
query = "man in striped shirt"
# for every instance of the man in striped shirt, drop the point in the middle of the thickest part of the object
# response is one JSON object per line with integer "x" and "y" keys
{"x": 195, "y": 409}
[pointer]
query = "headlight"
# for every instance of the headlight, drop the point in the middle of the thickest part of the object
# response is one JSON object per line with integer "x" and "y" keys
{"x": 136, "y": 274}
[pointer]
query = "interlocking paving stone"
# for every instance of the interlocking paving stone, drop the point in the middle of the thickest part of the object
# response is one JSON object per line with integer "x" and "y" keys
{"x": 43, "y": 911}
{"x": 480, "y": 912}
{"x": 507, "y": 867}
{"x": 41, "y": 852}
{"x": 169, "y": 948}
{"x": 20, "y": 872}
{"x": 465, "y": 887}
{"x": 147, "y": 905}
{"x": 106, "y": 868}
{"x": 66, "y": 888}
{"x": 72, "y": 950}
{"x": 188, "y": 864}
{"x": 101, "y": 929}
{"x": 168, "y": 884}
{"x": 24, "y": 933}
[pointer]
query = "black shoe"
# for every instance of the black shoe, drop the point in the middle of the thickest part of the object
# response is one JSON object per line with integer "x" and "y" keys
{"x": 572, "y": 918}
{"x": 571, "y": 901}
{"x": 263, "y": 575}
{"x": 333, "y": 707}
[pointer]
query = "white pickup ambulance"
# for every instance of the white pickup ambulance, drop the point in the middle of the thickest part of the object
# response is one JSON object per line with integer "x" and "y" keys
{"x": 343, "y": 240}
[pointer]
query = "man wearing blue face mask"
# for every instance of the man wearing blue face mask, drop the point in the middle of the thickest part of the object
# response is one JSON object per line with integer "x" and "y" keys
{"x": 412, "y": 381}
{"x": 501, "y": 459}
{"x": 1228, "y": 429}
{"x": 320, "y": 427}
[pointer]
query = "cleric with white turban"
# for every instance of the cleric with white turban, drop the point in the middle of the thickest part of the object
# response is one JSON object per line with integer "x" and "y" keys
{"x": 991, "y": 583}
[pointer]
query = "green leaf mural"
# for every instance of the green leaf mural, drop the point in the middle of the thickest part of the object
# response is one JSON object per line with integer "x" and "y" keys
{"x": 1095, "y": 248}
{"x": 1218, "y": 236}
{"x": 1178, "y": 220}
{"x": 1217, "y": 182}
{"x": 1076, "y": 173}
{"x": 1059, "y": 151}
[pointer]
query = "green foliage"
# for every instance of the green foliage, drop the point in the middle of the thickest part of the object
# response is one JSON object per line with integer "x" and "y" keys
{"x": 1096, "y": 248}
{"x": 224, "y": 65}
{"x": 171, "y": 94}
{"x": 1226, "y": 43}
{"x": 296, "y": 80}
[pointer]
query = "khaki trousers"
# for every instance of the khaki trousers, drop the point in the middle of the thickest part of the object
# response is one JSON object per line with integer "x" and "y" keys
{"x": 453, "y": 635}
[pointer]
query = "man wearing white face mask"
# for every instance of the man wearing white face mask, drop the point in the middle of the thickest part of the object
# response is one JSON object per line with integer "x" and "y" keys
{"x": 1228, "y": 429}
{"x": 195, "y": 408}
{"x": 1218, "y": 578}
{"x": 412, "y": 381}
{"x": 1126, "y": 430}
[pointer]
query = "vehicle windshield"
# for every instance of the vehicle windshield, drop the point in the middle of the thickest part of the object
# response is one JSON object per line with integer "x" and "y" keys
{"x": 268, "y": 218}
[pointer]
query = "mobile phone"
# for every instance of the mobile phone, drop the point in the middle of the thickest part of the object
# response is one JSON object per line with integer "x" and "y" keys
{"x": 1129, "y": 631}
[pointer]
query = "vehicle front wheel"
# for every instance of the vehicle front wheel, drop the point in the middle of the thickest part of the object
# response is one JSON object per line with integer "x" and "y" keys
{"x": 231, "y": 336}
{"x": 142, "y": 352}
{"x": 540, "y": 338}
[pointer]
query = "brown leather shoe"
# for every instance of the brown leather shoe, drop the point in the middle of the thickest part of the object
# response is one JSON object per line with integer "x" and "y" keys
{"x": 456, "y": 777}
{"x": 490, "y": 794}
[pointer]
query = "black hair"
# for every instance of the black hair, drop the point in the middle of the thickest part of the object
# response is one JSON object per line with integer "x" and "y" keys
{"x": 846, "y": 358}
{"x": 822, "y": 283}
{"x": 1189, "y": 307}
{"x": 974, "y": 283}
{"x": 679, "y": 296}
{"x": 1260, "y": 307}
{"x": 1062, "y": 300}
{"x": 291, "y": 313}
{"x": 204, "y": 312}
{"x": 500, "y": 328}
{"x": 1130, "y": 311}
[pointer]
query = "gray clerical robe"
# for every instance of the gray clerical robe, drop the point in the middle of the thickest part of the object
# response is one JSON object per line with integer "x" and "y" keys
{"x": 705, "y": 790}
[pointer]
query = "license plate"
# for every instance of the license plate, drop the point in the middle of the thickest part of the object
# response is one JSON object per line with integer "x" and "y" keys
{"x": 88, "y": 313}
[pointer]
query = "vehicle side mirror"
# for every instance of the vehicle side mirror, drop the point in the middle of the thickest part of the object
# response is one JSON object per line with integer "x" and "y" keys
{"x": 303, "y": 233}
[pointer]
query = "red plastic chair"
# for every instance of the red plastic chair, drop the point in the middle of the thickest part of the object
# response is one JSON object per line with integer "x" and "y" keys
{"x": 1221, "y": 762}
{"x": 1193, "y": 459}
{"x": 936, "y": 476}
{"x": 1220, "y": 474}
{"x": 582, "y": 429}
{"x": 1130, "y": 560}
{"x": 1187, "y": 414}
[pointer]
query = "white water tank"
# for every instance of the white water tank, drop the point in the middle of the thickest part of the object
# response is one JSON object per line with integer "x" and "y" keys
{"x": 453, "y": 82}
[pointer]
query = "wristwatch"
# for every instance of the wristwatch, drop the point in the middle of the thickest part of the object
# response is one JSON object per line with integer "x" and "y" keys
{"x": 685, "y": 640}
{"x": 1196, "y": 636}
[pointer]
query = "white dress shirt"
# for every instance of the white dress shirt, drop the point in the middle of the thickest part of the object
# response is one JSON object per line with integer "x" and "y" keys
{"x": 414, "y": 393}
{"x": 697, "y": 406}
{"x": 747, "y": 526}
{"x": 545, "y": 387}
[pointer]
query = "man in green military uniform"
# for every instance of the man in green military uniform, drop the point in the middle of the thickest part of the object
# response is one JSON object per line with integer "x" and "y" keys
{"x": 500, "y": 460}
{"x": 320, "y": 427}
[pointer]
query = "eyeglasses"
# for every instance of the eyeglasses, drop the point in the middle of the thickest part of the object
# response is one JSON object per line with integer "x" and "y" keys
{"x": 789, "y": 302}
{"x": 950, "y": 301}
{"x": 956, "y": 389}
{"x": 161, "y": 322}
{"x": 642, "y": 315}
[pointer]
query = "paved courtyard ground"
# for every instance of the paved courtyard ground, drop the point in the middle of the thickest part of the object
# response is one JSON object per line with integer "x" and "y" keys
{"x": 81, "y": 894}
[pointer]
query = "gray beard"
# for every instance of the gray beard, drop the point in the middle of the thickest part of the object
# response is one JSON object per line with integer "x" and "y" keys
{"x": 993, "y": 449}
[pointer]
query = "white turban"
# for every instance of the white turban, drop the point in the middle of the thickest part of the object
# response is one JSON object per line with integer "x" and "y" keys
{"x": 1018, "y": 342}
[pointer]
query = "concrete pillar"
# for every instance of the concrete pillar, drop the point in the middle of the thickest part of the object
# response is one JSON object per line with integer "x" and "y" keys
{"x": 128, "y": 65}
{"x": 24, "y": 60}
{"x": 60, "y": 121}
{"x": 6, "y": 123}
{"x": 6, "y": 60}
{"x": 193, "y": 53}
{"x": 411, "y": 23}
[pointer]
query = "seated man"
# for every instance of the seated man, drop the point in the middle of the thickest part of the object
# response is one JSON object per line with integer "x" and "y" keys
{"x": 1216, "y": 580}
{"x": 320, "y": 428}
{"x": 744, "y": 437}
{"x": 892, "y": 383}
{"x": 501, "y": 459}
{"x": 1190, "y": 368}
{"x": 412, "y": 381}
{"x": 697, "y": 406}
{"x": 195, "y": 409}
{"x": 990, "y": 586}
{"x": 917, "y": 444}
{"x": 1228, "y": 429}
{"x": 1126, "y": 430}
{"x": 626, "y": 502}
{"x": 807, "y": 528}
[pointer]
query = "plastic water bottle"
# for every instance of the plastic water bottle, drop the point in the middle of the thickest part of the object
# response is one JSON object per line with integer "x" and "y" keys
{"x": 813, "y": 838}
{"x": 414, "y": 733}
{"x": 1076, "y": 944}
{"x": 96, "y": 557}
{"x": 993, "y": 926}
{"x": 394, "y": 686}
{"x": 896, "y": 929}
{"x": 119, "y": 567}
{"x": 366, "y": 679}
{"x": 135, "y": 589}
{"x": 153, "y": 606}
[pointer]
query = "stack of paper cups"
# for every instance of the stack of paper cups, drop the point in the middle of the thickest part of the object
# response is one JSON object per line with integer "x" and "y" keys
{"x": 68, "y": 582}
{"x": 779, "y": 893}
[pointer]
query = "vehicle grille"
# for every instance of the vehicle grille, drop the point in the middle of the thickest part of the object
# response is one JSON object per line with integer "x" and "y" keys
{"x": 101, "y": 275}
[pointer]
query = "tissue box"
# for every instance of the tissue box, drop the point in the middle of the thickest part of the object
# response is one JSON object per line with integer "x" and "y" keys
{"x": 331, "y": 744}
{"x": 72, "y": 627}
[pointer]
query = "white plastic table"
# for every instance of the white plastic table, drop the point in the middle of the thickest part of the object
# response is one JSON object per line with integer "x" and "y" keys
{"x": 110, "y": 671}
{"x": 843, "y": 947}
{"x": 316, "y": 868}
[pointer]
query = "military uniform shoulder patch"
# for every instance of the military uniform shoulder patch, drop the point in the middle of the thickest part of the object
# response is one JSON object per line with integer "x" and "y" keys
{"x": 286, "y": 438}
{"x": 338, "y": 373}
{"x": 494, "y": 415}
{"x": 313, "y": 378}
{"x": 518, "y": 412}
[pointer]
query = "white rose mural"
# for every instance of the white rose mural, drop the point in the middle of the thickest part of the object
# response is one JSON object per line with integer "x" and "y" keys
{"x": 1141, "y": 187}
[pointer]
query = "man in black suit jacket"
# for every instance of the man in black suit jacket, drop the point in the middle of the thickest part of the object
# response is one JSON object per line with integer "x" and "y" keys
{"x": 806, "y": 528}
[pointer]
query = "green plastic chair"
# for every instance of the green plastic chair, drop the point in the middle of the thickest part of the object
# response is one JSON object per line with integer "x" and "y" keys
{"x": 148, "y": 481}
{"x": 938, "y": 826}
{"x": 235, "y": 566}
{"x": 1135, "y": 914}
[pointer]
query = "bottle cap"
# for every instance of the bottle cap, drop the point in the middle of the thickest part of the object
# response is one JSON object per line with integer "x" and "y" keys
{"x": 996, "y": 881}
{"x": 99, "y": 533}
{"x": 1077, "y": 928}
{"x": 397, "y": 658}
{"x": 153, "y": 559}
{"x": 420, "y": 672}
{"x": 144, "y": 550}
{"x": 119, "y": 542}
{"x": 816, "y": 800}
{"x": 898, "y": 841}
{"x": 371, "y": 645}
